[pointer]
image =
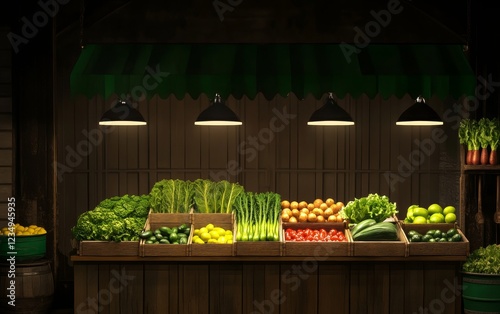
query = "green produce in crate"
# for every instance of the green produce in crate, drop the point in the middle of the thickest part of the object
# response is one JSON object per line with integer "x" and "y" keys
{"x": 435, "y": 235}
{"x": 167, "y": 235}
{"x": 113, "y": 219}
{"x": 172, "y": 196}
{"x": 257, "y": 216}
{"x": 362, "y": 225}
{"x": 372, "y": 206}
{"x": 215, "y": 197}
{"x": 381, "y": 231}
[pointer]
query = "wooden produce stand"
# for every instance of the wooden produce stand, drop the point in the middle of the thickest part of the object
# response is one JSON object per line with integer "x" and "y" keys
{"x": 315, "y": 282}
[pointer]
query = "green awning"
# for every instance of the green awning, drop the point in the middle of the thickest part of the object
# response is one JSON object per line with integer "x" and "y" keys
{"x": 247, "y": 69}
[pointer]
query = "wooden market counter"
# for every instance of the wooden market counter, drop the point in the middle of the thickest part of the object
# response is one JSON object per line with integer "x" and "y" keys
{"x": 254, "y": 284}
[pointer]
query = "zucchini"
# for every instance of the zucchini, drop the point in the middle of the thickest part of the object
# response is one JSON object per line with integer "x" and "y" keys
{"x": 146, "y": 234}
{"x": 362, "y": 225}
{"x": 382, "y": 231}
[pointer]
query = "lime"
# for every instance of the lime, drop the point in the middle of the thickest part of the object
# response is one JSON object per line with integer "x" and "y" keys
{"x": 426, "y": 238}
{"x": 448, "y": 209}
{"x": 419, "y": 220}
{"x": 436, "y": 218}
{"x": 416, "y": 238}
{"x": 451, "y": 232}
{"x": 450, "y": 218}
{"x": 456, "y": 238}
{"x": 434, "y": 208}
{"x": 420, "y": 212}
{"x": 173, "y": 237}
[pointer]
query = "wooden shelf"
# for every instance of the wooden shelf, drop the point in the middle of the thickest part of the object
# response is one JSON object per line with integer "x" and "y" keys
{"x": 486, "y": 169}
{"x": 183, "y": 259}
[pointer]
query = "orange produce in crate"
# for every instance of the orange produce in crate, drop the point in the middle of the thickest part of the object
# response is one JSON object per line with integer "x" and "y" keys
{"x": 316, "y": 211}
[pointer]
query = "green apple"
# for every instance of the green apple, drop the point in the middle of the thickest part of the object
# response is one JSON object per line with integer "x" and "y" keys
{"x": 449, "y": 209}
{"x": 420, "y": 220}
{"x": 437, "y": 218}
{"x": 450, "y": 218}
{"x": 434, "y": 208}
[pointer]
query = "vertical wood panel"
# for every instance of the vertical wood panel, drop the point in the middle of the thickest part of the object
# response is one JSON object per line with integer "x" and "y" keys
{"x": 300, "y": 287}
{"x": 397, "y": 288}
{"x": 226, "y": 288}
{"x": 132, "y": 280}
{"x": 332, "y": 282}
{"x": 164, "y": 122}
{"x": 161, "y": 293}
{"x": 414, "y": 280}
{"x": 104, "y": 299}
{"x": 80, "y": 293}
{"x": 194, "y": 282}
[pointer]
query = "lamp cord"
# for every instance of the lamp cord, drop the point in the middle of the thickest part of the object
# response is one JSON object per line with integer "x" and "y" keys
{"x": 82, "y": 15}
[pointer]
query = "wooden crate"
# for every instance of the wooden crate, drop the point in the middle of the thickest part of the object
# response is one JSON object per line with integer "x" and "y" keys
{"x": 108, "y": 248}
{"x": 157, "y": 220}
{"x": 381, "y": 248}
{"x": 435, "y": 248}
{"x": 316, "y": 249}
{"x": 259, "y": 248}
{"x": 225, "y": 221}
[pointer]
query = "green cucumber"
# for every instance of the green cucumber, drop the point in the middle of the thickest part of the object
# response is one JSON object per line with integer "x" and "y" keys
{"x": 362, "y": 225}
{"x": 382, "y": 231}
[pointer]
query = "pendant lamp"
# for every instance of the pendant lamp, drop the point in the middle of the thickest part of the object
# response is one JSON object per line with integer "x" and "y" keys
{"x": 419, "y": 114}
{"x": 218, "y": 114}
{"x": 122, "y": 114}
{"x": 330, "y": 114}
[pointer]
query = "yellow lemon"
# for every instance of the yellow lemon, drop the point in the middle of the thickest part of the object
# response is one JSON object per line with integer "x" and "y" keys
{"x": 205, "y": 236}
{"x": 210, "y": 227}
{"x": 214, "y": 234}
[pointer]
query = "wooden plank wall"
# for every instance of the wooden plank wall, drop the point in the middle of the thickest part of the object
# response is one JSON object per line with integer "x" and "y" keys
{"x": 6, "y": 126}
{"x": 274, "y": 150}
{"x": 309, "y": 286}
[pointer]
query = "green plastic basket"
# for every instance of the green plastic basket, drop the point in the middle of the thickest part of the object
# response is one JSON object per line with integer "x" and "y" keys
{"x": 25, "y": 248}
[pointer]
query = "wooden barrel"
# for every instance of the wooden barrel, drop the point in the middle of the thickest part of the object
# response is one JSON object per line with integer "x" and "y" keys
{"x": 31, "y": 290}
{"x": 481, "y": 293}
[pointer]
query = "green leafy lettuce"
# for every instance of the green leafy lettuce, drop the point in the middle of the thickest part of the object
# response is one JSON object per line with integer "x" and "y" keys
{"x": 215, "y": 197}
{"x": 113, "y": 219}
{"x": 485, "y": 260}
{"x": 372, "y": 206}
{"x": 172, "y": 196}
